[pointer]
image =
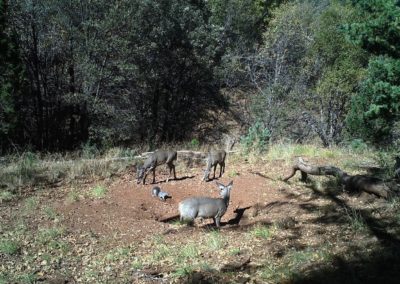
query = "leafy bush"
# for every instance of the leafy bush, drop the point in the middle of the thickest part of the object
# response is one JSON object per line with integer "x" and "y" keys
{"x": 194, "y": 143}
{"x": 6, "y": 196}
{"x": 89, "y": 151}
{"x": 358, "y": 145}
{"x": 257, "y": 138}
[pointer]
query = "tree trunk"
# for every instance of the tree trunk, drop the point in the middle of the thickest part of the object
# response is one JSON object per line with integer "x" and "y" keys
{"x": 355, "y": 183}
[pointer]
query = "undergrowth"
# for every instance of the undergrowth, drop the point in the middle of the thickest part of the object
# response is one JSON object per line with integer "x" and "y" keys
{"x": 31, "y": 170}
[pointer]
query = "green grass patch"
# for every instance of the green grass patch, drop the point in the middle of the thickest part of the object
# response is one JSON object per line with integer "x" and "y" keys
{"x": 50, "y": 213}
{"x": 98, "y": 192}
{"x": 356, "y": 221}
{"x": 27, "y": 278}
{"x": 293, "y": 264}
{"x": 189, "y": 251}
{"x": 9, "y": 247}
{"x": 161, "y": 251}
{"x": 31, "y": 203}
{"x": 45, "y": 236}
{"x": 6, "y": 196}
{"x": 183, "y": 271}
{"x": 137, "y": 264}
{"x": 214, "y": 240}
{"x": 235, "y": 251}
{"x": 73, "y": 196}
{"x": 233, "y": 174}
{"x": 261, "y": 231}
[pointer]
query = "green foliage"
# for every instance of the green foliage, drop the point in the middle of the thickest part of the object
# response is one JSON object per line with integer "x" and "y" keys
{"x": 6, "y": 196}
{"x": 235, "y": 251}
{"x": 257, "y": 138}
{"x": 194, "y": 143}
{"x": 50, "y": 213}
{"x": 358, "y": 145}
{"x": 89, "y": 151}
{"x": 46, "y": 236}
{"x": 215, "y": 241}
{"x": 240, "y": 19}
{"x": 356, "y": 221}
{"x": 386, "y": 161}
{"x": 183, "y": 271}
{"x": 31, "y": 203}
{"x": 379, "y": 31}
{"x": 9, "y": 247}
{"x": 189, "y": 251}
{"x": 261, "y": 231}
{"x": 98, "y": 191}
{"x": 338, "y": 65}
{"x": 11, "y": 80}
{"x": 377, "y": 106}
{"x": 306, "y": 71}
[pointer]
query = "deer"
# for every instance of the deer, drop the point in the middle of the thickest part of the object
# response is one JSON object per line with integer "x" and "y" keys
{"x": 157, "y": 158}
{"x": 206, "y": 207}
{"x": 214, "y": 158}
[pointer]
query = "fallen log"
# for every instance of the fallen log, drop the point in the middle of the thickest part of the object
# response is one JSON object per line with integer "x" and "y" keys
{"x": 356, "y": 183}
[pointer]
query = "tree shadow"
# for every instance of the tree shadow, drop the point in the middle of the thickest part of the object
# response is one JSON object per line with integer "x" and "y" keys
{"x": 377, "y": 264}
{"x": 239, "y": 214}
{"x": 262, "y": 175}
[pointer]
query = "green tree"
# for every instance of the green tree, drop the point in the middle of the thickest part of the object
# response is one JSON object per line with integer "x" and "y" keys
{"x": 306, "y": 71}
{"x": 376, "y": 108}
{"x": 334, "y": 68}
{"x": 11, "y": 81}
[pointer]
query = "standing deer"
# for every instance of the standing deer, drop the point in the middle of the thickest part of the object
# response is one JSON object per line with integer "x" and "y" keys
{"x": 159, "y": 157}
{"x": 214, "y": 158}
{"x": 206, "y": 207}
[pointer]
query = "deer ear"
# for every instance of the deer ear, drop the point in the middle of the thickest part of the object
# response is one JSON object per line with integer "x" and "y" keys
{"x": 220, "y": 185}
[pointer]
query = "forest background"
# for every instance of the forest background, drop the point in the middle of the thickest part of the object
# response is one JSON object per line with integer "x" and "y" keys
{"x": 120, "y": 73}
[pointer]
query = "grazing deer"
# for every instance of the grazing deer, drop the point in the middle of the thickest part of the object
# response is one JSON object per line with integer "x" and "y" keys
{"x": 159, "y": 157}
{"x": 206, "y": 207}
{"x": 214, "y": 158}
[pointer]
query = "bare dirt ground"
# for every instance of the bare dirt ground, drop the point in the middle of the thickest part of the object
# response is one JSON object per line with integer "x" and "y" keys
{"x": 130, "y": 210}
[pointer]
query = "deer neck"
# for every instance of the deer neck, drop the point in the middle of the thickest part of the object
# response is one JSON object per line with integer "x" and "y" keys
{"x": 226, "y": 199}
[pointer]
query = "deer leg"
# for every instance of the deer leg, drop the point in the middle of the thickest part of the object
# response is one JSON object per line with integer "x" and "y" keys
{"x": 154, "y": 175}
{"x": 221, "y": 169}
{"x": 170, "y": 170}
{"x": 145, "y": 175}
{"x": 215, "y": 167}
{"x": 217, "y": 221}
{"x": 173, "y": 168}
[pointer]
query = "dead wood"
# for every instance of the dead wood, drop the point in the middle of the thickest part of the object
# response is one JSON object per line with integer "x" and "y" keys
{"x": 356, "y": 183}
{"x": 305, "y": 169}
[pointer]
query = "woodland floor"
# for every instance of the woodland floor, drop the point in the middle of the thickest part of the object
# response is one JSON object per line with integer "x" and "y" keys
{"x": 273, "y": 232}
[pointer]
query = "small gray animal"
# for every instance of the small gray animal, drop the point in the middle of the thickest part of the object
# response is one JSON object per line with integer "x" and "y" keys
{"x": 206, "y": 207}
{"x": 156, "y": 192}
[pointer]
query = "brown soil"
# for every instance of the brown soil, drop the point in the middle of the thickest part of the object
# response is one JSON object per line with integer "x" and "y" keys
{"x": 129, "y": 211}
